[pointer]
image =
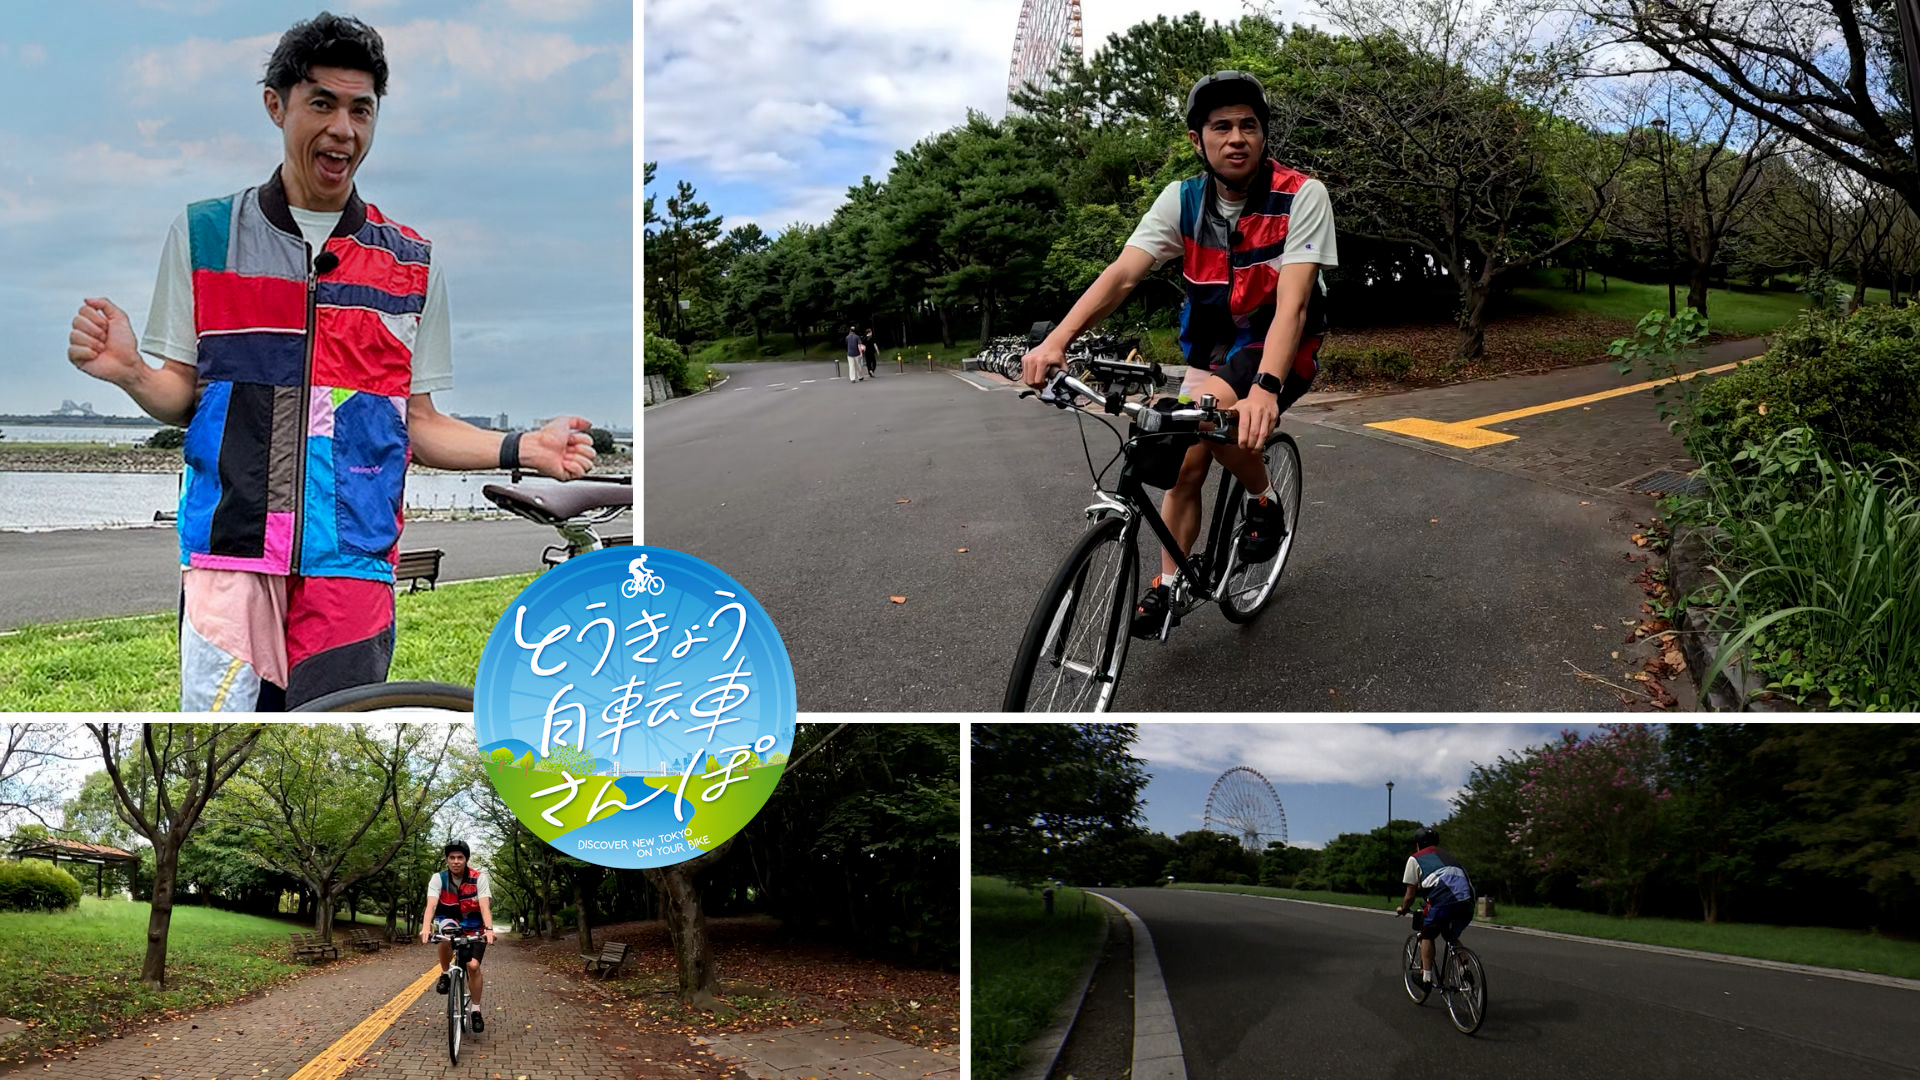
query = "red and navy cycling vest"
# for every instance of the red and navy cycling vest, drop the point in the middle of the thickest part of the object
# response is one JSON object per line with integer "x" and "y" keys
{"x": 1233, "y": 271}
{"x": 462, "y": 902}
{"x": 297, "y": 453}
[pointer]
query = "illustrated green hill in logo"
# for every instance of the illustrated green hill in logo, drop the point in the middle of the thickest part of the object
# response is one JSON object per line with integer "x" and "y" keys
{"x": 708, "y": 823}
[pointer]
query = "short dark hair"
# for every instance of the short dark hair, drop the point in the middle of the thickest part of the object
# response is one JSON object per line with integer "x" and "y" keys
{"x": 327, "y": 40}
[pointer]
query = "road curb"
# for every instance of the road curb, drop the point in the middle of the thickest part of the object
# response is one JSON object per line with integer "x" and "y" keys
{"x": 724, "y": 380}
{"x": 1738, "y": 689}
{"x": 1892, "y": 981}
{"x": 1042, "y": 1053}
{"x": 1156, "y": 1038}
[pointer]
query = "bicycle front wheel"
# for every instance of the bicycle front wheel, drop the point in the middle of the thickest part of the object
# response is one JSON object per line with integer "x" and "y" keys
{"x": 1246, "y": 587}
{"x": 456, "y": 1016}
{"x": 1076, "y": 641}
{"x": 1417, "y": 988}
{"x": 1466, "y": 989}
{"x": 375, "y": 697}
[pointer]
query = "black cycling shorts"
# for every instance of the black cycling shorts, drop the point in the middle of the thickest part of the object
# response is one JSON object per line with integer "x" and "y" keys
{"x": 476, "y": 950}
{"x": 1239, "y": 369}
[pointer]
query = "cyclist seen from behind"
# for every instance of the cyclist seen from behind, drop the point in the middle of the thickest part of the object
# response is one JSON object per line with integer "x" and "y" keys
{"x": 461, "y": 892}
{"x": 1253, "y": 235}
{"x": 1449, "y": 895}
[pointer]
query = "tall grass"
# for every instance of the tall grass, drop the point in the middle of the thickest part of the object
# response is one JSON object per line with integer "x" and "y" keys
{"x": 1818, "y": 561}
{"x": 1024, "y": 966}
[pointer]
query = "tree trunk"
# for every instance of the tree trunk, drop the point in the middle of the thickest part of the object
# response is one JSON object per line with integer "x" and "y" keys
{"x": 946, "y": 326}
{"x": 986, "y": 317}
{"x": 580, "y": 906}
{"x": 1859, "y": 288}
{"x": 1697, "y": 287}
{"x": 687, "y": 925}
{"x": 323, "y": 915}
{"x": 1472, "y": 340}
{"x": 166, "y": 863}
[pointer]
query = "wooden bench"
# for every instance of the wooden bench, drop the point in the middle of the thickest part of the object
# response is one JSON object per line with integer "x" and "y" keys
{"x": 364, "y": 940}
{"x": 606, "y": 963}
{"x": 417, "y": 566}
{"x": 307, "y": 946}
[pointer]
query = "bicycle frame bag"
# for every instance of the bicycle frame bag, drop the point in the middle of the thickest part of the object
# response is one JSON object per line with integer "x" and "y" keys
{"x": 1156, "y": 459}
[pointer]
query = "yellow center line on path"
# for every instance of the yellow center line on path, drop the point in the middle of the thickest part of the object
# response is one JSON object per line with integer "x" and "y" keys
{"x": 335, "y": 1060}
{"x": 1473, "y": 434}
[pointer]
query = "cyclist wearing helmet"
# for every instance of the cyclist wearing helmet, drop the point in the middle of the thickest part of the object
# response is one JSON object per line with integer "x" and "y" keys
{"x": 1254, "y": 235}
{"x": 461, "y": 892}
{"x": 1449, "y": 895}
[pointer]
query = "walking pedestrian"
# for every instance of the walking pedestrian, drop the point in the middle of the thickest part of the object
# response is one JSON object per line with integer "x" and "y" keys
{"x": 872, "y": 352}
{"x": 853, "y": 355}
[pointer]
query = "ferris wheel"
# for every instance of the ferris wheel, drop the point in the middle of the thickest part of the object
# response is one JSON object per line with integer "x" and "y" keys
{"x": 1244, "y": 805}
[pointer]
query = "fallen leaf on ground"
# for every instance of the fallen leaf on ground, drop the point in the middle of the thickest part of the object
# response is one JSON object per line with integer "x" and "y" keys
{"x": 901, "y": 502}
{"x": 898, "y": 599}
{"x": 960, "y": 551}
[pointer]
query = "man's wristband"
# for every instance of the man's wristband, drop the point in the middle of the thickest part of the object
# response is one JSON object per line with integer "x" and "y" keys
{"x": 510, "y": 450}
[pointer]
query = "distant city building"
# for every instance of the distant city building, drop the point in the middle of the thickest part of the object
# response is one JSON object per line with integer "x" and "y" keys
{"x": 501, "y": 423}
{"x": 478, "y": 421}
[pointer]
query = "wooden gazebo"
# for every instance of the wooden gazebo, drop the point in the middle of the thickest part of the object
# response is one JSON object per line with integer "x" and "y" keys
{"x": 99, "y": 856}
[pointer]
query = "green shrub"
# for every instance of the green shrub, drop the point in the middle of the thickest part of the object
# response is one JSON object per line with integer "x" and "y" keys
{"x": 1387, "y": 363}
{"x": 168, "y": 438}
{"x": 1818, "y": 561}
{"x": 664, "y": 358}
{"x": 36, "y": 886}
{"x": 1371, "y": 363}
{"x": 1853, "y": 382}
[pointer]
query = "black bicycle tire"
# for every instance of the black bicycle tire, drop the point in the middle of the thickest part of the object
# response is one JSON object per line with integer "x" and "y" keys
{"x": 1103, "y": 531}
{"x": 394, "y": 695}
{"x": 456, "y": 987}
{"x": 1465, "y": 956}
{"x": 1409, "y": 964}
{"x": 1233, "y": 612}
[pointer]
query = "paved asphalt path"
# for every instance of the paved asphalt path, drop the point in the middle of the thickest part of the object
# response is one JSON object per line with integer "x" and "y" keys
{"x": 1418, "y": 582}
{"x": 101, "y": 573}
{"x": 1264, "y": 988}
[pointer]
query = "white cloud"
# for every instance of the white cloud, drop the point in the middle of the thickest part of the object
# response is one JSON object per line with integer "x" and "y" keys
{"x": 809, "y": 204}
{"x": 1432, "y": 761}
{"x": 33, "y": 54}
{"x": 182, "y": 67}
{"x": 551, "y": 10}
{"x": 505, "y": 56}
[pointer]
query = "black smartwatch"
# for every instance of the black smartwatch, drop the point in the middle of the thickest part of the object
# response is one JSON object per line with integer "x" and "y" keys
{"x": 1269, "y": 382}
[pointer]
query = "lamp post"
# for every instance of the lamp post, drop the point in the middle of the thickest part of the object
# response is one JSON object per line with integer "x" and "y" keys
{"x": 1666, "y": 212}
{"x": 1389, "y": 811}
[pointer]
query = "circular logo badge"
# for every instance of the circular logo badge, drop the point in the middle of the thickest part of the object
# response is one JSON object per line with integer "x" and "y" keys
{"x": 635, "y": 707}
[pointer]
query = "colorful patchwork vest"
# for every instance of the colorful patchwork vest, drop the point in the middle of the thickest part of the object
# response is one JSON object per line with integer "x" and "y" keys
{"x": 297, "y": 454}
{"x": 460, "y": 902}
{"x": 1233, "y": 271}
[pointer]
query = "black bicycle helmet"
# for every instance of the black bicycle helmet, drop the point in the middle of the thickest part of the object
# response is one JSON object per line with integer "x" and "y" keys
{"x": 1427, "y": 837}
{"x": 1227, "y": 88}
{"x": 459, "y": 846}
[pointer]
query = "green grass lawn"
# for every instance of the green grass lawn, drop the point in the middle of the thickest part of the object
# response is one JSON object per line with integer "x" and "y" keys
{"x": 1742, "y": 313}
{"x": 121, "y": 665}
{"x": 75, "y": 974}
{"x": 1024, "y": 966}
{"x": 1816, "y": 946}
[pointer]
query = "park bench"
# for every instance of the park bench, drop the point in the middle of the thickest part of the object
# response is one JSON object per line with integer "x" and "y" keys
{"x": 310, "y": 946}
{"x": 364, "y": 940}
{"x": 417, "y": 566}
{"x": 607, "y": 961}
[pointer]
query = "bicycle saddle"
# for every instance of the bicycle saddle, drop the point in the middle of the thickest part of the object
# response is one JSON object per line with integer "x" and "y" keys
{"x": 551, "y": 502}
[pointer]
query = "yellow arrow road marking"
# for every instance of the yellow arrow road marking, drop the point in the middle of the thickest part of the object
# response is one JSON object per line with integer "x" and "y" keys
{"x": 1473, "y": 434}
{"x": 335, "y": 1060}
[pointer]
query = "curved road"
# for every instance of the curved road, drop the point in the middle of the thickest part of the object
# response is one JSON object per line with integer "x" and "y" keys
{"x": 1266, "y": 988}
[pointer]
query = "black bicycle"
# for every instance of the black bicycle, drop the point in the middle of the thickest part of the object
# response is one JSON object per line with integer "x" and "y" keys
{"x": 459, "y": 1002}
{"x": 1463, "y": 982}
{"x": 1075, "y": 647}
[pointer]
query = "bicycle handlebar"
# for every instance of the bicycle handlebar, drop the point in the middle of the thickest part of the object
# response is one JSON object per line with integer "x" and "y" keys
{"x": 1063, "y": 388}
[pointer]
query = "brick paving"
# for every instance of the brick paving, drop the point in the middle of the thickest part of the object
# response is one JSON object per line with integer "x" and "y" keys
{"x": 831, "y": 1049}
{"x": 538, "y": 1027}
{"x": 1597, "y": 449}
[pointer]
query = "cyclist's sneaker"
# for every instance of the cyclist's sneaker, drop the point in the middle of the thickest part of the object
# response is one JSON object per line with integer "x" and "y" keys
{"x": 1264, "y": 531}
{"x": 441, "y": 986}
{"x": 478, "y": 1023}
{"x": 1150, "y": 614}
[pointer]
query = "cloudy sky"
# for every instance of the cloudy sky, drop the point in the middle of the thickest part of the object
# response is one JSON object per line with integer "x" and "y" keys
{"x": 773, "y": 108}
{"x": 506, "y": 138}
{"x": 1330, "y": 778}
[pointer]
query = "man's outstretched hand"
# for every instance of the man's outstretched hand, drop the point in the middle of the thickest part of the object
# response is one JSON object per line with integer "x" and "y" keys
{"x": 562, "y": 450}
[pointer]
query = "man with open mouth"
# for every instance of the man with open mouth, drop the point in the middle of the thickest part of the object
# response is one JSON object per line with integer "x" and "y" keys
{"x": 301, "y": 333}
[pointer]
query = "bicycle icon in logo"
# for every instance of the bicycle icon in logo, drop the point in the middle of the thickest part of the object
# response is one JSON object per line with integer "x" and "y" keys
{"x": 644, "y": 580}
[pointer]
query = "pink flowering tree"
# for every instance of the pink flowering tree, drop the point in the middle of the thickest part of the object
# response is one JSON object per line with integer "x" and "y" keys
{"x": 1591, "y": 807}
